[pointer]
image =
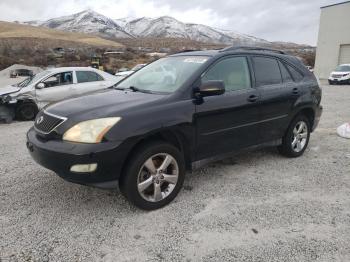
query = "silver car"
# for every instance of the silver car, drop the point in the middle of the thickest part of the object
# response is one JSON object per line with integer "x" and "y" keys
{"x": 25, "y": 99}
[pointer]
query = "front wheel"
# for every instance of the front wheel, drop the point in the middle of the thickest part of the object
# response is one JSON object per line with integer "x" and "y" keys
{"x": 26, "y": 111}
{"x": 154, "y": 175}
{"x": 296, "y": 139}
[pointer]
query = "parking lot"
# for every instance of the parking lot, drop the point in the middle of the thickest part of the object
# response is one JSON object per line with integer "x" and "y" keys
{"x": 258, "y": 206}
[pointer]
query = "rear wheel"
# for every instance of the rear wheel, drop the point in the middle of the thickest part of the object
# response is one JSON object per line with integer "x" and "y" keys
{"x": 296, "y": 139}
{"x": 26, "y": 111}
{"x": 154, "y": 176}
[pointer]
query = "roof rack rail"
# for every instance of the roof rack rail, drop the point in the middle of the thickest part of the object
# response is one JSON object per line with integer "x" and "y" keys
{"x": 188, "y": 50}
{"x": 251, "y": 48}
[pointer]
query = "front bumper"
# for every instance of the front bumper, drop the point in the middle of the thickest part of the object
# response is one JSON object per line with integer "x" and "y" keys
{"x": 7, "y": 113}
{"x": 343, "y": 80}
{"x": 59, "y": 156}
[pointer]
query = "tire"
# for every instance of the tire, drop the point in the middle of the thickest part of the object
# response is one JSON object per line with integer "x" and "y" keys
{"x": 26, "y": 111}
{"x": 296, "y": 138}
{"x": 8, "y": 120}
{"x": 138, "y": 183}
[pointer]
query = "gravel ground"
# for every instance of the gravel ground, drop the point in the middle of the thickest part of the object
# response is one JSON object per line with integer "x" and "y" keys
{"x": 257, "y": 206}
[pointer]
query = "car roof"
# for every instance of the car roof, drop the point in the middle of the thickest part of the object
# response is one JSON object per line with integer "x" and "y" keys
{"x": 60, "y": 69}
{"x": 197, "y": 53}
{"x": 237, "y": 50}
{"x": 246, "y": 50}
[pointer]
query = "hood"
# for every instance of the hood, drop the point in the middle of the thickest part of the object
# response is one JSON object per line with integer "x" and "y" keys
{"x": 9, "y": 90}
{"x": 340, "y": 73}
{"x": 105, "y": 103}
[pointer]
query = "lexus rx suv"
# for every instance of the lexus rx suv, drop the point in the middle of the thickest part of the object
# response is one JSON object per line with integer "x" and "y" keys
{"x": 145, "y": 132}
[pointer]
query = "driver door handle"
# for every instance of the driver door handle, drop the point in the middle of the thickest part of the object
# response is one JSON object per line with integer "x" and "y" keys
{"x": 295, "y": 91}
{"x": 253, "y": 98}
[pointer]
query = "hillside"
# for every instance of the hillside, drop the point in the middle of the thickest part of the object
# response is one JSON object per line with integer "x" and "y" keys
{"x": 91, "y": 22}
{"x": 14, "y": 30}
{"x": 39, "y": 46}
{"x": 88, "y": 22}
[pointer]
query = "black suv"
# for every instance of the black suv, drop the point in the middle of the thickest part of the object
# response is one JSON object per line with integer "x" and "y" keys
{"x": 178, "y": 113}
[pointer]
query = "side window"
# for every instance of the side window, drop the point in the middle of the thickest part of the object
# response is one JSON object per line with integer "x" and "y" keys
{"x": 234, "y": 72}
{"x": 60, "y": 79}
{"x": 267, "y": 71}
{"x": 287, "y": 78}
{"x": 296, "y": 75}
{"x": 88, "y": 76}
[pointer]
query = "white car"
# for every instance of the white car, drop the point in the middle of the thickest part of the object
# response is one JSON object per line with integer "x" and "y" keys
{"x": 341, "y": 75}
{"x": 123, "y": 74}
{"x": 310, "y": 68}
{"x": 26, "y": 98}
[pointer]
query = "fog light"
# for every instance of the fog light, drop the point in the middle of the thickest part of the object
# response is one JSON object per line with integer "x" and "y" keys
{"x": 88, "y": 168}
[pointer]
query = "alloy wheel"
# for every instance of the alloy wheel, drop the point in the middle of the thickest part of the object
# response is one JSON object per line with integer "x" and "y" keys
{"x": 300, "y": 136}
{"x": 158, "y": 177}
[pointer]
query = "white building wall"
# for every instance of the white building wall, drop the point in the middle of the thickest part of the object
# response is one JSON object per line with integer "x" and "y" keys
{"x": 334, "y": 31}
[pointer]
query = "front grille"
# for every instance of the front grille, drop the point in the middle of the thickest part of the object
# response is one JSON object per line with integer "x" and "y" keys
{"x": 46, "y": 122}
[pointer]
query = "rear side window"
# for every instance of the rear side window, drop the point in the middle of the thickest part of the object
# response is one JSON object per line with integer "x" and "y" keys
{"x": 233, "y": 71}
{"x": 88, "y": 76}
{"x": 285, "y": 74}
{"x": 267, "y": 71}
{"x": 296, "y": 75}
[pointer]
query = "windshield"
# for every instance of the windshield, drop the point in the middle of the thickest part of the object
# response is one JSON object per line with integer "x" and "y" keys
{"x": 166, "y": 75}
{"x": 343, "y": 68}
{"x": 33, "y": 79}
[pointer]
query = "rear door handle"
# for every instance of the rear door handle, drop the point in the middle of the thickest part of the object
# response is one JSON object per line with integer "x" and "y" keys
{"x": 253, "y": 98}
{"x": 295, "y": 91}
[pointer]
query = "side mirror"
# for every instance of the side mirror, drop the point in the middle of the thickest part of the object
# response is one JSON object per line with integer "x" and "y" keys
{"x": 40, "y": 86}
{"x": 212, "y": 88}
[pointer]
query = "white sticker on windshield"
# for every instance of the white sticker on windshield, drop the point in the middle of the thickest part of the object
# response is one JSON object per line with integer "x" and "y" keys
{"x": 198, "y": 60}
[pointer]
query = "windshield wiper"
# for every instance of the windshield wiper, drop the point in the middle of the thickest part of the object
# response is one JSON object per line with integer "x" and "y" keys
{"x": 133, "y": 89}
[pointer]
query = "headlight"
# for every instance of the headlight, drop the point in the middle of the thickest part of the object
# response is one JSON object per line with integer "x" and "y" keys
{"x": 91, "y": 131}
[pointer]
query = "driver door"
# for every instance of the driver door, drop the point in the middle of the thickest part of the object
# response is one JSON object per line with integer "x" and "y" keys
{"x": 58, "y": 87}
{"x": 228, "y": 122}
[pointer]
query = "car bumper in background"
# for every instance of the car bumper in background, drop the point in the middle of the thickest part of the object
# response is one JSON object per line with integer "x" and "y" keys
{"x": 60, "y": 156}
{"x": 332, "y": 80}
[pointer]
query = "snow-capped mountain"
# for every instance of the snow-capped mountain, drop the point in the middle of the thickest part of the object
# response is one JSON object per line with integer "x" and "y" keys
{"x": 88, "y": 22}
{"x": 167, "y": 27}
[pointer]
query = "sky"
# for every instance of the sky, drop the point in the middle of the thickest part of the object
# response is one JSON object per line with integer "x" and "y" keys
{"x": 274, "y": 20}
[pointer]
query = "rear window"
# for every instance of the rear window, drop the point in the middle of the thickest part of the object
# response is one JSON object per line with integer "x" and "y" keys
{"x": 267, "y": 71}
{"x": 297, "y": 76}
{"x": 88, "y": 76}
{"x": 287, "y": 78}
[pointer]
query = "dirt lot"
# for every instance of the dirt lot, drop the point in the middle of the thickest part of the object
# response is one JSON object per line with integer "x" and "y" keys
{"x": 257, "y": 206}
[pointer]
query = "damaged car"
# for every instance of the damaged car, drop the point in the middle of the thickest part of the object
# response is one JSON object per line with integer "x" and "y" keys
{"x": 24, "y": 100}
